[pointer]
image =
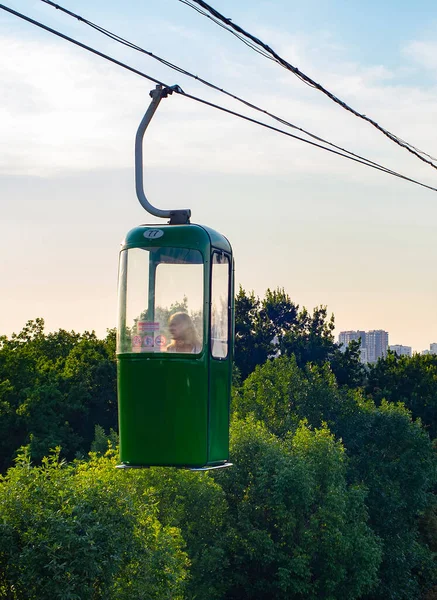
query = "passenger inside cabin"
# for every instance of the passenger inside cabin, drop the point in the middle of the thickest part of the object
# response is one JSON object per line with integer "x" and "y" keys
{"x": 183, "y": 334}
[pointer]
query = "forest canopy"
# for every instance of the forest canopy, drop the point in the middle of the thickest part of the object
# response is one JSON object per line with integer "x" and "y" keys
{"x": 331, "y": 496}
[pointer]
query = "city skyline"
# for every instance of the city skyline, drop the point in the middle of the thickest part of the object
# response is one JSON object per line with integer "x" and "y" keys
{"x": 345, "y": 337}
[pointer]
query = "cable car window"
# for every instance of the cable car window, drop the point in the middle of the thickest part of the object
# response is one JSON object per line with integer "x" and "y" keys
{"x": 161, "y": 301}
{"x": 219, "y": 305}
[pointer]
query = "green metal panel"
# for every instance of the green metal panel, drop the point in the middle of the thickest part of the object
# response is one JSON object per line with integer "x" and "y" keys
{"x": 163, "y": 408}
{"x": 186, "y": 236}
{"x": 219, "y": 390}
{"x": 217, "y": 239}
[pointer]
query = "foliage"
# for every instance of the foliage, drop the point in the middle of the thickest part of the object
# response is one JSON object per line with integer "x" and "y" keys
{"x": 275, "y": 325}
{"x": 195, "y": 504}
{"x": 78, "y": 532}
{"x": 253, "y": 333}
{"x": 297, "y": 530}
{"x": 54, "y": 389}
{"x": 311, "y": 339}
{"x": 346, "y": 365}
{"x": 330, "y": 495}
{"x": 102, "y": 441}
{"x": 389, "y": 453}
{"x": 411, "y": 380}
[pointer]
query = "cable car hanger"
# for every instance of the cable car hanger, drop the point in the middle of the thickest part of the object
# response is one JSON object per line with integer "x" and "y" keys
{"x": 179, "y": 216}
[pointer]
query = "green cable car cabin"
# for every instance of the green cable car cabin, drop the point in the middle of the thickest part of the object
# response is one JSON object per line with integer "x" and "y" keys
{"x": 175, "y": 346}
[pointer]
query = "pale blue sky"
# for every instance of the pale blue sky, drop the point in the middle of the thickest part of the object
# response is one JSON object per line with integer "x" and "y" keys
{"x": 328, "y": 231}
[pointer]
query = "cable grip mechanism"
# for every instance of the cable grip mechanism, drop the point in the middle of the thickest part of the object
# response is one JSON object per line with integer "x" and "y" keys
{"x": 177, "y": 216}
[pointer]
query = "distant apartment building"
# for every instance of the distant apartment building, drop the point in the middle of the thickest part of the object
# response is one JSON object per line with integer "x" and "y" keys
{"x": 345, "y": 337}
{"x": 432, "y": 349}
{"x": 401, "y": 350}
{"x": 374, "y": 344}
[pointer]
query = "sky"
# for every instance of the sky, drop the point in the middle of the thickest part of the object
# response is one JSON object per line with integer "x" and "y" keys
{"x": 327, "y": 230}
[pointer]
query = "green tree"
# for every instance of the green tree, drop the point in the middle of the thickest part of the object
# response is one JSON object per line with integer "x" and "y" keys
{"x": 110, "y": 343}
{"x": 311, "y": 339}
{"x": 296, "y": 529}
{"x": 196, "y": 505}
{"x": 28, "y": 361}
{"x": 54, "y": 389}
{"x": 102, "y": 441}
{"x": 411, "y": 380}
{"x": 346, "y": 365}
{"x": 264, "y": 328}
{"x": 80, "y": 532}
{"x": 388, "y": 452}
{"x": 253, "y": 333}
{"x": 281, "y": 314}
{"x": 275, "y": 325}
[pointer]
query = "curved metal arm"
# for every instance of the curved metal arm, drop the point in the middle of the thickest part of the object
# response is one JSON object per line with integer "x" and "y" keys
{"x": 175, "y": 216}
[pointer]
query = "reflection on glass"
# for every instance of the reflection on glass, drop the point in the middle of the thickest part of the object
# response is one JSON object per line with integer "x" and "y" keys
{"x": 220, "y": 305}
{"x": 160, "y": 300}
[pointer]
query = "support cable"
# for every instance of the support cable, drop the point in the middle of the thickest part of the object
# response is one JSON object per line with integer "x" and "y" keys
{"x": 235, "y": 29}
{"x": 179, "y": 91}
{"x": 183, "y": 71}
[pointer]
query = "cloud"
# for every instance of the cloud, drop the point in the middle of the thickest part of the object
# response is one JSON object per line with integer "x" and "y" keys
{"x": 424, "y": 53}
{"x": 56, "y": 106}
{"x": 64, "y": 110}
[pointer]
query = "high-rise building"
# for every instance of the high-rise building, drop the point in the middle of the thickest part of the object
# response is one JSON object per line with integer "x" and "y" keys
{"x": 345, "y": 337}
{"x": 401, "y": 350}
{"x": 374, "y": 344}
{"x": 433, "y": 348}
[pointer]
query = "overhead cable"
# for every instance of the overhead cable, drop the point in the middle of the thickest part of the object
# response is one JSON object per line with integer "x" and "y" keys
{"x": 179, "y": 91}
{"x": 235, "y": 29}
{"x": 183, "y": 71}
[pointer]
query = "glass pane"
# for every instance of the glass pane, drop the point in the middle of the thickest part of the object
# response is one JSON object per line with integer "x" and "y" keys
{"x": 161, "y": 300}
{"x": 220, "y": 305}
{"x": 133, "y": 298}
{"x": 121, "y": 325}
{"x": 179, "y": 306}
